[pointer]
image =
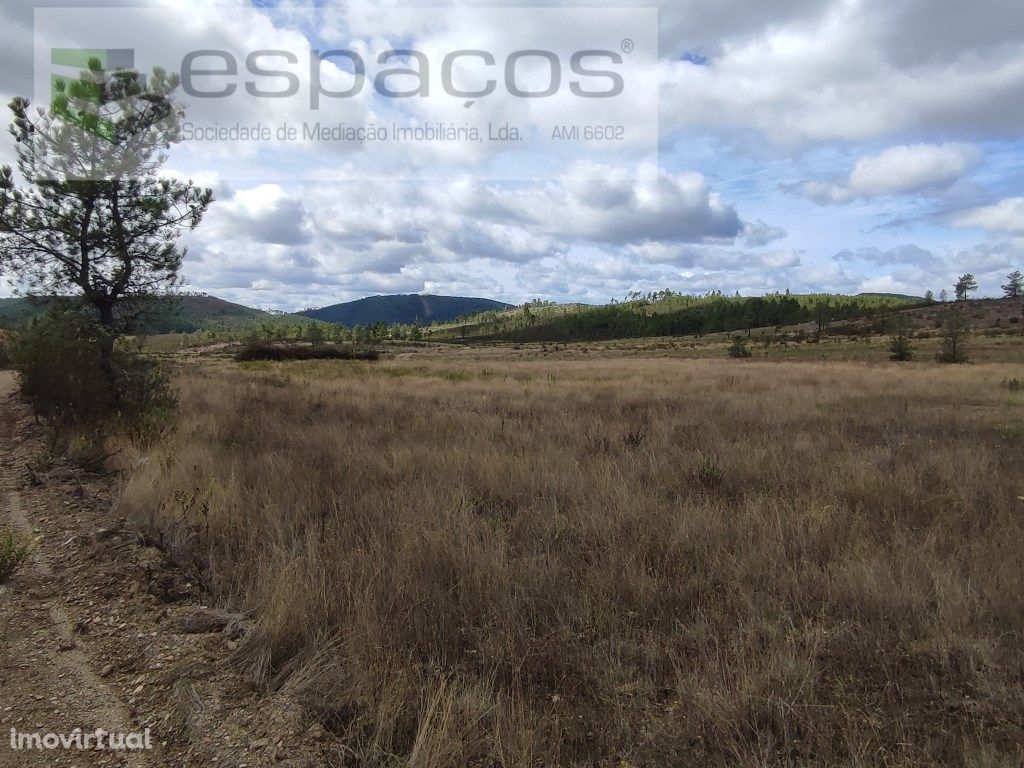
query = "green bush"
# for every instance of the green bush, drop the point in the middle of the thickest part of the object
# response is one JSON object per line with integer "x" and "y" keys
{"x": 12, "y": 553}
{"x": 738, "y": 348}
{"x": 73, "y": 374}
{"x": 900, "y": 348}
{"x": 5, "y": 351}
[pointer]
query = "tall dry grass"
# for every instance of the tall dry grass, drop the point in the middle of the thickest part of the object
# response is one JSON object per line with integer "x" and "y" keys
{"x": 622, "y": 563}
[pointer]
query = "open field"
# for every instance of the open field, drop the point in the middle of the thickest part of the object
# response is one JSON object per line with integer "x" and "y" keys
{"x": 615, "y": 562}
{"x": 992, "y": 346}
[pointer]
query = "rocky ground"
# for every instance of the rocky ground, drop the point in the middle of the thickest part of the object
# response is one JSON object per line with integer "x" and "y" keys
{"x": 98, "y": 630}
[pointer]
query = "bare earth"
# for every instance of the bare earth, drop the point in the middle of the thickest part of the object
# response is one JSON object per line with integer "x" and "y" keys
{"x": 94, "y": 633}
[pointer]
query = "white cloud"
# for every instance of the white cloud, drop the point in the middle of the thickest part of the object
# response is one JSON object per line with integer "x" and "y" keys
{"x": 888, "y": 284}
{"x": 1005, "y": 216}
{"x": 903, "y": 254}
{"x": 901, "y": 170}
{"x": 265, "y": 214}
{"x": 757, "y": 233}
{"x": 845, "y": 71}
{"x": 310, "y": 239}
{"x": 820, "y": 192}
{"x": 910, "y": 168}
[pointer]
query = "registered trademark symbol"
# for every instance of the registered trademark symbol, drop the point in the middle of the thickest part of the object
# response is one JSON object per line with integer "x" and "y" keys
{"x": 627, "y": 46}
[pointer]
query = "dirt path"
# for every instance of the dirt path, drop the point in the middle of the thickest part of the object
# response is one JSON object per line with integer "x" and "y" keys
{"x": 95, "y": 633}
{"x": 47, "y": 683}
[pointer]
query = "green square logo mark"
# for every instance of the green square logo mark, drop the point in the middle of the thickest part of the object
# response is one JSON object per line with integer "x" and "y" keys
{"x": 69, "y": 92}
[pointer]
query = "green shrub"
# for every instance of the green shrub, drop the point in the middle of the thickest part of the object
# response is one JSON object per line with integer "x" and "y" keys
{"x": 12, "y": 553}
{"x": 1014, "y": 384}
{"x": 738, "y": 348}
{"x": 73, "y": 374}
{"x": 5, "y": 351}
{"x": 900, "y": 348}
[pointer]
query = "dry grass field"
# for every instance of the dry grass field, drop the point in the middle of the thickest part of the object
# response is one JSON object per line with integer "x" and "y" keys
{"x": 615, "y": 562}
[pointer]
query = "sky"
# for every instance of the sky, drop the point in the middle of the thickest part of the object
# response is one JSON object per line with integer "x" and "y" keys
{"x": 809, "y": 145}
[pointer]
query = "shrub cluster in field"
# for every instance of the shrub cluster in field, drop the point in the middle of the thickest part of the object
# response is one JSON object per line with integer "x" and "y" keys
{"x": 624, "y": 562}
{"x": 738, "y": 348}
{"x": 279, "y": 352}
{"x": 75, "y": 375}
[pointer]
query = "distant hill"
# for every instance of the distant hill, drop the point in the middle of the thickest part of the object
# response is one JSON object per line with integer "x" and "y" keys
{"x": 407, "y": 309}
{"x": 185, "y": 313}
{"x": 197, "y": 312}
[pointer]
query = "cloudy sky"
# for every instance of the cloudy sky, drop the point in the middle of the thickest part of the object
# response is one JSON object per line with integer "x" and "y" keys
{"x": 815, "y": 145}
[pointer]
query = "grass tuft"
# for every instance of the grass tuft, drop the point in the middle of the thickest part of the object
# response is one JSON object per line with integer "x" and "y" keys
{"x": 13, "y": 553}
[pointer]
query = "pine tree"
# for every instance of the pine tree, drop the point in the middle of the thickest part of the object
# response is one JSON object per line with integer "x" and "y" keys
{"x": 954, "y": 338}
{"x": 93, "y": 218}
{"x": 900, "y": 347}
{"x": 964, "y": 286}
{"x": 315, "y": 334}
{"x": 1014, "y": 287}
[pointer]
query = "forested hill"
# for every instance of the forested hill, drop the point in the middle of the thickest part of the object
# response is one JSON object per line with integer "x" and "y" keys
{"x": 406, "y": 309}
{"x": 184, "y": 313}
{"x": 670, "y": 314}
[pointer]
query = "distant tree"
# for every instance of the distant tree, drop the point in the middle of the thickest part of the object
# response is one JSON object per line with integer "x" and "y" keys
{"x": 822, "y": 315}
{"x": 929, "y": 296}
{"x": 900, "y": 347}
{"x": 738, "y": 348}
{"x": 315, "y": 334}
{"x": 964, "y": 286}
{"x": 528, "y": 318}
{"x": 954, "y": 338}
{"x": 943, "y": 296}
{"x": 1014, "y": 287}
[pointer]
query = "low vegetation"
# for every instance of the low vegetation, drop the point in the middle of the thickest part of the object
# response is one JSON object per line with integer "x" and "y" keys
{"x": 617, "y": 561}
{"x": 738, "y": 348}
{"x": 5, "y": 349}
{"x": 264, "y": 351}
{"x": 13, "y": 552}
{"x": 77, "y": 377}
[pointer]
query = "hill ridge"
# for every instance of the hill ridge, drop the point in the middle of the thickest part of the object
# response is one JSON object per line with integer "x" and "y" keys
{"x": 403, "y": 308}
